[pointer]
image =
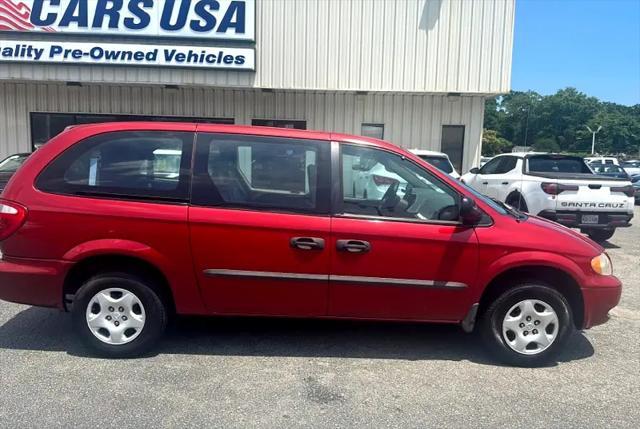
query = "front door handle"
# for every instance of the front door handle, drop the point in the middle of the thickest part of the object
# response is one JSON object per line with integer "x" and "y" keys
{"x": 505, "y": 183}
{"x": 307, "y": 243}
{"x": 353, "y": 246}
{"x": 485, "y": 183}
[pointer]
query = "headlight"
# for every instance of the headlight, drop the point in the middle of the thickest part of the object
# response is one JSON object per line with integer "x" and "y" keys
{"x": 601, "y": 264}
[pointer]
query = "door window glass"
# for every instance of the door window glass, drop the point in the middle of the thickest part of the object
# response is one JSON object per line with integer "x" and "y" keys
{"x": 142, "y": 165}
{"x": 261, "y": 172}
{"x": 379, "y": 183}
{"x": 507, "y": 163}
{"x": 491, "y": 166}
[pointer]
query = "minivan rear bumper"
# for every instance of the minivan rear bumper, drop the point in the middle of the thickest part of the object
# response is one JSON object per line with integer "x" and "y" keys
{"x": 33, "y": 281}
{"x": 599, "y": 299}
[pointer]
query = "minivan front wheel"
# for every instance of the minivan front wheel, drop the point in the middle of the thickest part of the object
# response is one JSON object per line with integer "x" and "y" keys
{"x": 118, "y": 315}
{"x": 527, "y": 325}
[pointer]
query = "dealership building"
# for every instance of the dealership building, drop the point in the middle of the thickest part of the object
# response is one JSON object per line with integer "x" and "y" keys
{"x": 414, "y": 72}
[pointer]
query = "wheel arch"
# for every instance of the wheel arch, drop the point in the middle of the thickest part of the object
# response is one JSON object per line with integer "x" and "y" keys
{"x": 95, "y": 264}
{"x": 554, "y": 277}
{"x": 515, "y": 193}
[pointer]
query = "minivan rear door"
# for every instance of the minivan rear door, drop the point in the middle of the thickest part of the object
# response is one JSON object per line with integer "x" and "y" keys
{"x": 259, "y": 224}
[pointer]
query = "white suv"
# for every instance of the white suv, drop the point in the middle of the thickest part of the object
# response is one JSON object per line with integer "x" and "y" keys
{"x": 561, "y": 188}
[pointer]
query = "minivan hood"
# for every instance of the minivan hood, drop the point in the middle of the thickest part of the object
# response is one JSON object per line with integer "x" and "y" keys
{"x": 567, "y": 235}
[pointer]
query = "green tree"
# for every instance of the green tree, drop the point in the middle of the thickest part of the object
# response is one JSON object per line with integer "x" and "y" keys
{"x": 493, "y": 144}
{"x": 546, "y": 144}
{"x": 558, "y": 122}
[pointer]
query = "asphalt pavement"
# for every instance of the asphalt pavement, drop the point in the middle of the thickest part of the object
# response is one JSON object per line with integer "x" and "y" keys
{"x": 289, "y": 373}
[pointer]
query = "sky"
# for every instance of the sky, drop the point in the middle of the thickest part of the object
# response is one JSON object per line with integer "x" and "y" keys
{"x": 591, "y": 45}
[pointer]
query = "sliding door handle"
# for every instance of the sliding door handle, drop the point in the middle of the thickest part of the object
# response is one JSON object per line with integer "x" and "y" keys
{"x": 307, "y": 243}
{"x": 353, "y": 246}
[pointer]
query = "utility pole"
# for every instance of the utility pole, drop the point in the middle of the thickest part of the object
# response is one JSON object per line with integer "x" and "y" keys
{"x": 593, "y": 139}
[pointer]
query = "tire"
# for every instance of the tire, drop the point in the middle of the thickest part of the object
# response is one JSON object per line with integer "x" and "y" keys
{"x": 135, "y": 322}
{"x": 600, "y": 235}
{"x": 498, "y": 334}
{"x": 518, "y": 202}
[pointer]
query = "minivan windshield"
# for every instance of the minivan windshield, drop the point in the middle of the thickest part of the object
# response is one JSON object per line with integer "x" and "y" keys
{"x": 557, "y": 164}
{"x": 440, "y": 162}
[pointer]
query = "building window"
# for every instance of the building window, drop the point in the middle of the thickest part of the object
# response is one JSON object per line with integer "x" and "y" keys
{"x": 375, "y": 131}
{"x": 453, "y": 144}
{"x": 44, "y": 126}
{"x": 280, "y": 123}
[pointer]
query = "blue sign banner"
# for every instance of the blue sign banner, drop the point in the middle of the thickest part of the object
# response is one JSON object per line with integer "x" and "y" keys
{"x": 130, "y": 55}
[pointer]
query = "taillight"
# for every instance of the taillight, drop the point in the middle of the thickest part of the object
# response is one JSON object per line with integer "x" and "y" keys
{"x": 628, "y": 190}
{"x": 12, "y": 216}
{"x": 557, "y": 188}
{"x": 383, "y": 180}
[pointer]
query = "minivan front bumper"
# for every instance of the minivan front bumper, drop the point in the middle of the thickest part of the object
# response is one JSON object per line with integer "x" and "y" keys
{"x": 33, "y": 281}
{"x": 600, "y": 296}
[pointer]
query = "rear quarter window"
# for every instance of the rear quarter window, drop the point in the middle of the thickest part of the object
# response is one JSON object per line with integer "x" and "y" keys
{"x": 139, "y": 165}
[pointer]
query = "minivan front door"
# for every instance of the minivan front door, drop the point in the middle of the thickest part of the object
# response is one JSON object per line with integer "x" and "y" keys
{"x": 401, "y": 255}
{"x": 259, "y": 224}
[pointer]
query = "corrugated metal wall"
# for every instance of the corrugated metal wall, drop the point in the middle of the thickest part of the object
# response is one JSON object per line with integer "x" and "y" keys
{"x": 413, "y": 121}
{"x": 376, "y": 45}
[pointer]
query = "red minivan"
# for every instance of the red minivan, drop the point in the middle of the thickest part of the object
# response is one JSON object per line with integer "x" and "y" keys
{"x": 125, "y": 224}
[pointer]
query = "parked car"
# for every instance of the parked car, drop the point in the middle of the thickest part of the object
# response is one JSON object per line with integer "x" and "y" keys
{"x": 438, "y": 159}
{"x": 631, "y": 167}
{"x": 602, "y": 160}
{"x": 610, "y": 170}
{"x": 635, "y": 181}
{"x": 561, "y": 188}
{"x": 9, "y": 165}
{"x": 260, "y": 221}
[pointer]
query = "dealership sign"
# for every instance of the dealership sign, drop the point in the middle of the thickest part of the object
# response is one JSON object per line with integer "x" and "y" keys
{"x": 132, "y": 55}
{"x": 203, "y": 19}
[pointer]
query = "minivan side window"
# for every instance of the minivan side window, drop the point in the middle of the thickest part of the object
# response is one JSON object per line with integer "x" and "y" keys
{"x": 382, "y": 184}
{"x": 145, "y": 165}
{"x": 266, "y": 173}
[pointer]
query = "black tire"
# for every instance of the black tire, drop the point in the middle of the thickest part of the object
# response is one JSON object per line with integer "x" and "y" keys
{"x": 492, "y": 317}
{"x": 155, "y": 315}
{"x": 600, "y": 235}
{"x": 517, "y": 201}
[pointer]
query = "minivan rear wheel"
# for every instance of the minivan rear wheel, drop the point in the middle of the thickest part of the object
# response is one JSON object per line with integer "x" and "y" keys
{"x": 527, "y": 325}
{"x": 118, "y": 315}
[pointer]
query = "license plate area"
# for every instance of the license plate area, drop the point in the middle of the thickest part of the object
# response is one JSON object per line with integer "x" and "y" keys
{"x": 590, "y": 218}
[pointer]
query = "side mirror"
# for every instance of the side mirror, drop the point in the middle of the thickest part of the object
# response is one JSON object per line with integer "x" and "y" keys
{"x": 470, "y": 214}
{"x": 474, "y": 170}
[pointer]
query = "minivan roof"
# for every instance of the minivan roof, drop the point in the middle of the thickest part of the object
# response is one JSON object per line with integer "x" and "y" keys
{"x": 229, "y": 129}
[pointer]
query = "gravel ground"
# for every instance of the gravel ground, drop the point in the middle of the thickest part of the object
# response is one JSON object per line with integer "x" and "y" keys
{"x": 240, "y": 373}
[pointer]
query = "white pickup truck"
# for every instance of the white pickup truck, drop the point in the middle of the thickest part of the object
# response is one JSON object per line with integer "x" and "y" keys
{"x": 561, "y": 188}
